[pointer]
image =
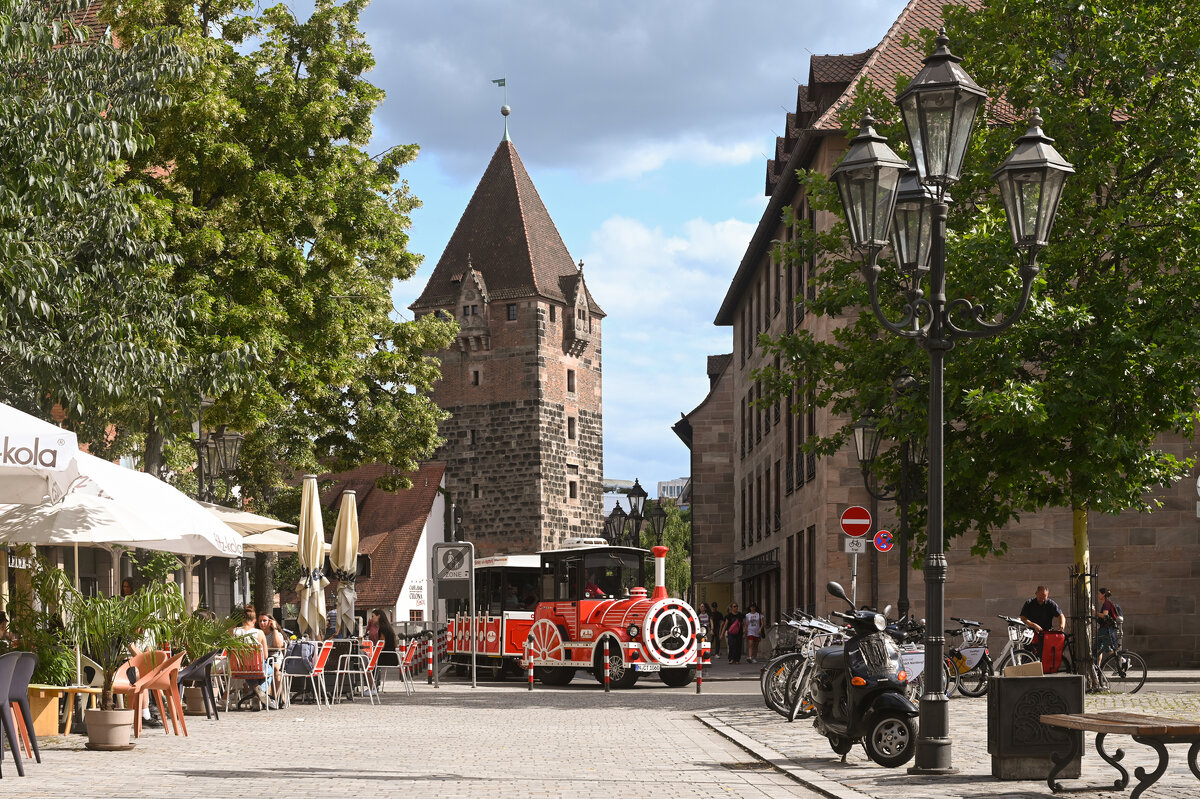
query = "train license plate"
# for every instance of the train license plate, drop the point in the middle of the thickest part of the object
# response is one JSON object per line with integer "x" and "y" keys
{"x": 648, "y": 666}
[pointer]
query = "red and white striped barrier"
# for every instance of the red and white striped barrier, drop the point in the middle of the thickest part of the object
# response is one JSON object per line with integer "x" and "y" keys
{"x": 701, "y": 656}
{"x": 429, "y": 644}
{"x": 529, "y": 660}
{"x": 607, "y": 669}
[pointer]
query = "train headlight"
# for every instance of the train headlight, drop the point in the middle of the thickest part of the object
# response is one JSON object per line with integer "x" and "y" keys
{"x": 702, "y": 631}
{"x": 633, "y": 630}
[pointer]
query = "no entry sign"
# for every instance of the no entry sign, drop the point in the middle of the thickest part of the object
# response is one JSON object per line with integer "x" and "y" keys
{"x": 856, "y": 521}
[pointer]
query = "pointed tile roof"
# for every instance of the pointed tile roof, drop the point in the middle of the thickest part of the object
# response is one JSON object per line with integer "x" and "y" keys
{"x": 389, "y": 524}
{"x": 509, "y": 236}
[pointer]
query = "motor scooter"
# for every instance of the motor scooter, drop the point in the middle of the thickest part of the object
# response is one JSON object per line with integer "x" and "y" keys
{"x": 859, "y": 691}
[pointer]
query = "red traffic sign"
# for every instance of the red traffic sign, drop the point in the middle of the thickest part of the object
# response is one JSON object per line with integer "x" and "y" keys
{"x": 856, "y": 521}
{"x": 883, "y": 541}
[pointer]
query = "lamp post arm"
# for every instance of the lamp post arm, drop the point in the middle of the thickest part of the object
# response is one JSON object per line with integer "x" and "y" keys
{"x": 905, "y": 326}
{"x": 983, "y": 328}
{"x": 878, "y": 492}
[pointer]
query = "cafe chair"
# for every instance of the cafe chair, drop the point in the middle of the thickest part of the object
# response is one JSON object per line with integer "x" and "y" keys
{"x": 8, "y": 665}
{"x": 198, "y": 674}
{"x": 165, "y": 682}
{"x": 247, "y": 664}
{"x": 315, "y": 675}
{"x": 146, "y": 663}
{"x": 18, "y": 698}
{"x": 363, "y": 665}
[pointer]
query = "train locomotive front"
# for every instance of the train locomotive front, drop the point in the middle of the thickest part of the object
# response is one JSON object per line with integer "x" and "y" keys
{"x": 594, "y": 606}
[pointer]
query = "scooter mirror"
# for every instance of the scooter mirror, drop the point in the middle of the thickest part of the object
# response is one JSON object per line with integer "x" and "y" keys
{"x": 887, "y": 611}
{"x": 836, "y": 590}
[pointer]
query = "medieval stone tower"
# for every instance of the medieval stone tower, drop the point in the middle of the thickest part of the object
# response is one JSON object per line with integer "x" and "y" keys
{"x": 524, "y": 441}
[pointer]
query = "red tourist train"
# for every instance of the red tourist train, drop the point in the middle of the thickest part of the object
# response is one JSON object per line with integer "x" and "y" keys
{"x": 567, "y": 605}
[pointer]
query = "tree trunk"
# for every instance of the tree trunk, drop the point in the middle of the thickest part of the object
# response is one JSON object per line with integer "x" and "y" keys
{"x": 1081, "y": 590}
{"x": 153, "y": 452}
{"x": 264, "y": 581}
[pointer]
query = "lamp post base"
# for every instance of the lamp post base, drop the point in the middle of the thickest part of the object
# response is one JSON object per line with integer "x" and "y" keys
{"x": 932, "y": 758}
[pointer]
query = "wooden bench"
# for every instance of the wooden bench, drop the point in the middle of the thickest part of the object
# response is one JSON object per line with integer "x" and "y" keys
{"x": 1153, "y": 731}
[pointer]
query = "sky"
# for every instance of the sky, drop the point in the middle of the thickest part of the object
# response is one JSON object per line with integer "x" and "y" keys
{"x": 646, "y": 126}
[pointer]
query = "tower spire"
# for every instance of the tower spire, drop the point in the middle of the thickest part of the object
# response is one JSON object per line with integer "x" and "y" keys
{"x": 505, "y": 110}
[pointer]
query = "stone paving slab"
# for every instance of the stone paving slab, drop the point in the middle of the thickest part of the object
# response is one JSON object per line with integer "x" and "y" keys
{"x": 799, "y": 751}
{"x": 491, "y": 741}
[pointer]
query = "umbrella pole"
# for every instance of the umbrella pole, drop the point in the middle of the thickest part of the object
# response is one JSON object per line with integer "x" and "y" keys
{"x": 78, "y": 651}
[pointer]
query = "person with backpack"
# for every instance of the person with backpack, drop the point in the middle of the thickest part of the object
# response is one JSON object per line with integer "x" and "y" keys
{"x": 1106, "y": 616}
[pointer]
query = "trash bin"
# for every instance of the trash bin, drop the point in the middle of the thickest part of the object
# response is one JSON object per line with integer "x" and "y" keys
{"x": 1020, "y": 745}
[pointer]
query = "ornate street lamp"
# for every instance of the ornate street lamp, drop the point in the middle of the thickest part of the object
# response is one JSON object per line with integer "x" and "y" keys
{"x": 216, "y": 456}
{"x": 939, "y": 109}
{"x": 614, "y": 525}
{"x": 637, "y": 498}
{"x": 658, "y": 520}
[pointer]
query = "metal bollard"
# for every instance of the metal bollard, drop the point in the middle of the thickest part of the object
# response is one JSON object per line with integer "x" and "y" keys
{"x": 529, "y": 659}
{"x": 607, "y": 669}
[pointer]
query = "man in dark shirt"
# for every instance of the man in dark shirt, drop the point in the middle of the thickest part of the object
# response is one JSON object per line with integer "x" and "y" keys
{"x": 1041, "y": 612}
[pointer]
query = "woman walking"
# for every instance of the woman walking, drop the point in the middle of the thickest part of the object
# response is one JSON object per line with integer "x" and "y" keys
{"x": 734, "y": 628}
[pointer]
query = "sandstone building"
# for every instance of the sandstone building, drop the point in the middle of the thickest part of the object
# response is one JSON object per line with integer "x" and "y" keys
{"x": 766, "y": 514}
{"x": 524, "y": 441}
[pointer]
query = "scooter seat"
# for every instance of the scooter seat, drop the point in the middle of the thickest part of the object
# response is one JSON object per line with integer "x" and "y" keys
{"x": 831, "y": 658}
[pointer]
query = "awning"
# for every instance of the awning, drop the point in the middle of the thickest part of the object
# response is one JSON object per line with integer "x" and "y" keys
{"x": 759, "y": 564}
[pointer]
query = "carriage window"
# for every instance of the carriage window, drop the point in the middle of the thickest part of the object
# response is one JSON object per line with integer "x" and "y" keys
{"x": 614, "y": 573}
{"x": 568, "y": 578}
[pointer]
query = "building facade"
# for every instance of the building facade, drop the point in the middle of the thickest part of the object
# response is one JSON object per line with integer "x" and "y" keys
{"x": 782, "y": 542}
{"x": 523, "y": 445}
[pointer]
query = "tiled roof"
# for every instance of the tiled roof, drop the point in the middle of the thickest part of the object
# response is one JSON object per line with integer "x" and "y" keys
{"x": 836, "y": 68}
{"x": 891, "y": 58}
{"x": 89, "y": 17}
{"x": 717, "y": 364}
{"x": 510, "y": 238}
{"x": 389, "y": 524}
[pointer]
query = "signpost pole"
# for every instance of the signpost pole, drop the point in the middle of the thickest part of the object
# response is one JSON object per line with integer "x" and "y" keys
{"x": 433, "y": 678}
{"x": 854, "y": 579}
{"x": 474, "y": 637}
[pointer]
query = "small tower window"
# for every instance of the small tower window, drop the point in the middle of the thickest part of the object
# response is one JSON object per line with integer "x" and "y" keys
{"x": 553, "y": 314}
{"x": 571, "y": 380}
{"x": 466, "y": 311}
{"x": 571, "y": 428}
{"x": 475, "y": 490}
{"x": 512, "y": 312}
{"x": 475, "y": 377}
{"x": 572, "y": 489}
{"x": 473, "y": 436}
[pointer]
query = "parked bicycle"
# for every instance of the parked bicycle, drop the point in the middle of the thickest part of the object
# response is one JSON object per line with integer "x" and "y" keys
{"x": 969, "y": 662}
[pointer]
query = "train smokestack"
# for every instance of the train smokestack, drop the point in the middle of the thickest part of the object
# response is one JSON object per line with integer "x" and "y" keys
{"x": 660, "y": 573}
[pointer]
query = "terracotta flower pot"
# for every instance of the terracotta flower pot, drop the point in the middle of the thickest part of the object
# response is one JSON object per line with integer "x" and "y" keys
{"x": 193, "y": 698}
{"x": 109, "y": 730}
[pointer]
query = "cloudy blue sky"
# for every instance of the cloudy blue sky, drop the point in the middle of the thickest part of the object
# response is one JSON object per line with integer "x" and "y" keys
{"x": 645, "y": 126}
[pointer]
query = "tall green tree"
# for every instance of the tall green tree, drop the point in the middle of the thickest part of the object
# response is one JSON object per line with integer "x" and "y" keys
{"x": 1066, "y": 409}
{"x": 290, "y": 235}
{"x": 677, "y": 538}
{"x": 87, "y": 318}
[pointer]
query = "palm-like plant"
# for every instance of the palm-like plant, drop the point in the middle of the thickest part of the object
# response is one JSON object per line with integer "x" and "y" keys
{"x": 105, "y": 626}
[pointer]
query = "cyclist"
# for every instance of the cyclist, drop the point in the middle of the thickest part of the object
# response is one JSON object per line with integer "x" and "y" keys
{"x": 1106, "y": 637}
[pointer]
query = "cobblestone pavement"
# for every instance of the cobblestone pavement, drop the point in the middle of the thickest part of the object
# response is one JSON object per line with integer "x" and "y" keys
{"x": 799, "y": 750}
{"x": 494, "y": 741}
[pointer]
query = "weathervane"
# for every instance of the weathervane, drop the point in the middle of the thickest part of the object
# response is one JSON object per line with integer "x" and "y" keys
{"x": 504, "y": 109}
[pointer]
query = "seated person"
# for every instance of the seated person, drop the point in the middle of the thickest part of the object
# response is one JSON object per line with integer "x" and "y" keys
{"x": 384, "y": 632}
{"x": 247, "y": 629}
{"x": 592, "y": 589}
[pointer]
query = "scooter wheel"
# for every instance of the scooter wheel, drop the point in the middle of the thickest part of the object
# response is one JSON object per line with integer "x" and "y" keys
{"x": 892, "y": 741}
{"x": 840, "y": 745}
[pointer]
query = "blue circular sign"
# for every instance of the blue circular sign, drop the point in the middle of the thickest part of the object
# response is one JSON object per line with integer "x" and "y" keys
{"x": 883, "y": 541}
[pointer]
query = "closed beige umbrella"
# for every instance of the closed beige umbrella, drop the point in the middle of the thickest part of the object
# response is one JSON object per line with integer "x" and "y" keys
{"x": 311, "y": 549}
{"x": 343, "y": 558}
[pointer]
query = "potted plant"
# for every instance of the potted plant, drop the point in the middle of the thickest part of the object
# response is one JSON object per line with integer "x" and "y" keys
{"x": 36, "y": 625}
{"x": 199, "y": 635}
{"x": 105, "y": 627}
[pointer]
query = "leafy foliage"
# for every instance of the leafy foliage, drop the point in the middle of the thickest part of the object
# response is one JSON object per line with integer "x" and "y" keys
{"x": 1065, "y": 409}
{"x": 677, "y": 537}
{"x": 289, "y": 235}
{"x": 36, "y": 620}
{"x": 86, "y": 318}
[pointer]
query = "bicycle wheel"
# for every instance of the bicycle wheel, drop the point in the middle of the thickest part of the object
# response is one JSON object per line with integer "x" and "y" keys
{"x": 800, "y": 705}
{"x": 775, "y": 680}
{"x": 974, "y": 682}
{"x": 1018, "y": 657}
{"x": 950, "y": 675}
{"x": 1124, "y": 671}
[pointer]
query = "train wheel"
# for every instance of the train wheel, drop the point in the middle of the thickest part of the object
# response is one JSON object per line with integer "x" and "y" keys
{"x": 554, "y": 675}
{"x": 546, "y": 641}
{"x": 677, "y": 678}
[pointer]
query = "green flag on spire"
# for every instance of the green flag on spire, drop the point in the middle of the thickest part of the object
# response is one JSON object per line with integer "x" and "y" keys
{"x": 499, "y": 82}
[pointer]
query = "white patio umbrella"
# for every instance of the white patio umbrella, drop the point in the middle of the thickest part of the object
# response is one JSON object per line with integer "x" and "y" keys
{"x": 311, "y": 550}
{"x": 273, "y": 541}
{"x": 37, "y": 458}
{"x": 343, "y": 558}
{"x": 244, "y": 522}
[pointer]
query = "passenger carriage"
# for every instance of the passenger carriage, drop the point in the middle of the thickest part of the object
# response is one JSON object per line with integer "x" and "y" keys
{"x": 587, "y": 594}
